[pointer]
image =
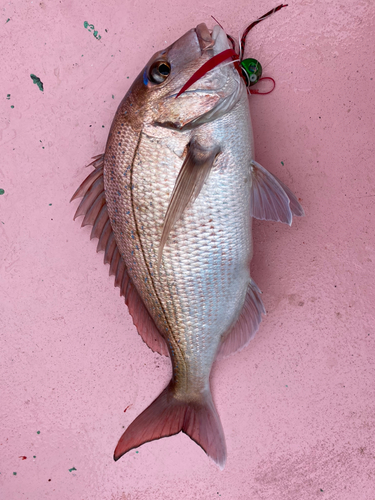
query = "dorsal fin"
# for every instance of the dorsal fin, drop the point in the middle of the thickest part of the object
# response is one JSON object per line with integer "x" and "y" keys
{"x": 94, "y": 208}
{"x": 247, "y": 324}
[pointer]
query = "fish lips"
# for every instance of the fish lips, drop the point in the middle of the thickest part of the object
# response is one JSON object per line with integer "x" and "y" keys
{"x": 220, "y": 78}
{"x": 204, "y": 36}
{"x": 215, "y": 39}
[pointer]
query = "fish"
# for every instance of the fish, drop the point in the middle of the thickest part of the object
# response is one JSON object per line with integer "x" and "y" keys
{"x": 171, "y": 201}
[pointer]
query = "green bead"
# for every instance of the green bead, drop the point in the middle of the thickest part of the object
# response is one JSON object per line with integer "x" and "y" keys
{"x": 252, "y": 69}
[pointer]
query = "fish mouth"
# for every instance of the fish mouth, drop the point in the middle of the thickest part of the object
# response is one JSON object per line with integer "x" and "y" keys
{"x": 211, "y": 43}
{"x": 215, "y": 39}
{"x": 204, "y": 36}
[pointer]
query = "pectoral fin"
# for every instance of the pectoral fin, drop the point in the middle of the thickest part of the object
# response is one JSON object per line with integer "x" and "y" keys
{"x": 271, "y": 199}
{"x": 193, "y": 174}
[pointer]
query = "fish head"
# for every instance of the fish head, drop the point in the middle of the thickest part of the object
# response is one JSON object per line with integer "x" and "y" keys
{"x": 155, "y": 90}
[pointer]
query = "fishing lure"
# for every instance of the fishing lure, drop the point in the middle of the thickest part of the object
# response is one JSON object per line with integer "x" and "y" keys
{"x": 249, "y": 69}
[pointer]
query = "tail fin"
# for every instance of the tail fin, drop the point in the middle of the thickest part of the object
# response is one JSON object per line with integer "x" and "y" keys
{"x": 168, "y": 415}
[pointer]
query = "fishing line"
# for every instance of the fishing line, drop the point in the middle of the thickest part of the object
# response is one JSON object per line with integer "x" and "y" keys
{"x": 257, "y": 91}
{"x": 242, "y": 40}
{"x": 230, "y": 38}
{"x": 269, "y": 62}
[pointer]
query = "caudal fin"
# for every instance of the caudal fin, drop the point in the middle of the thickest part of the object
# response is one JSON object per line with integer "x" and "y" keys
{"x": 168, "y": 415}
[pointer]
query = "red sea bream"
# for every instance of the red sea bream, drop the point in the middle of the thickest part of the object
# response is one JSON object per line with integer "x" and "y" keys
{"x": 171, "y": 201}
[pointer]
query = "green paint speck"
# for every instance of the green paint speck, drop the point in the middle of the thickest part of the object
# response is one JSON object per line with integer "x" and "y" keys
{"x": 90, "y": 28}
{"x": 321, "y": 489}
{"x": 50, "y": 204}
{"x": 113, "y": 96}
{"x": 12, "y": 106}
{"x": 38, "y": 432}
{"x": 2, "y": 191}
{"x": 37, "y": 81}
{"x": 7, "y": 21}
{"x": 282, "y": 163}
{"x": 102, "y": 126}
{"x": 137, "y": 451}
{"x": 72, "y": 469}
{"x": 286, "y": 386}
{"x": 8, "y": 96}
{"x": 34, "y": 456}
{"x": 14, "y": 473}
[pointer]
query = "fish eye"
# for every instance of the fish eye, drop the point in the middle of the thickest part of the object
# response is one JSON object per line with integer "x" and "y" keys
{"x": 159, "y": 71}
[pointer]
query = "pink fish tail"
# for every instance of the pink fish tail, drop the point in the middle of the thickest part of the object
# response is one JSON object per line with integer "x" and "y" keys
{"x": 168, "y": 415}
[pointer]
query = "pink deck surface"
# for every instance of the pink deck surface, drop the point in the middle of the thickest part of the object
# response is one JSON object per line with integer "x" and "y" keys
{"x": 298, "y": 405}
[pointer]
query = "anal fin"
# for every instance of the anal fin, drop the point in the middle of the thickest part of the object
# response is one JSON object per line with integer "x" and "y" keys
{"x": 94, "y": 208}
{"x": 247, "y": 324}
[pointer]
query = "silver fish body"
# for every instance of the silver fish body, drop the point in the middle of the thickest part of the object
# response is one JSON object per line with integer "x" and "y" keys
{"x": 180, "y": 189}
{"x": 200, "y": 288}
